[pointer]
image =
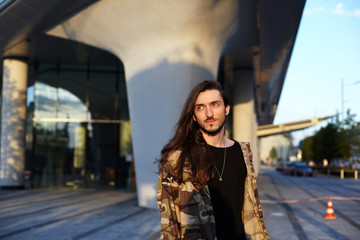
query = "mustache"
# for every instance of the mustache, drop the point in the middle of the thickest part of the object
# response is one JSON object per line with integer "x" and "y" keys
{"x": 210, "y": 118}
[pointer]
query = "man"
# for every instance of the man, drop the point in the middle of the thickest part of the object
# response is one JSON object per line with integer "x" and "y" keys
{"x": 207, "y": 188}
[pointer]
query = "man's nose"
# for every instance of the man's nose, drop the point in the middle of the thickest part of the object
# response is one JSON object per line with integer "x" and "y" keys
{"x": 209, "y": 112}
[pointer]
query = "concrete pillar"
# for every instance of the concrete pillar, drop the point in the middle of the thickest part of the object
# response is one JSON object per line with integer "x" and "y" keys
{"x": 244, "y": 115}
{"x": 155, "y": 104}
{"x": 13, "y": 118}
{"x": 166, "y": 48}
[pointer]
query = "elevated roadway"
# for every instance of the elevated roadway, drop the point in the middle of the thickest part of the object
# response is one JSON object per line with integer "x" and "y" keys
{"x": 272, "y": 129}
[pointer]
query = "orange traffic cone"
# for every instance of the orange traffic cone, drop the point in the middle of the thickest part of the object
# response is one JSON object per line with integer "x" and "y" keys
{"x": 330, "y": 211}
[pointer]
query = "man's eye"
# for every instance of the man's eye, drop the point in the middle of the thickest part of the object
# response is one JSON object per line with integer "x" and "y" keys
{"x": 215, "y": 104}
{"x": 199, "y": 108}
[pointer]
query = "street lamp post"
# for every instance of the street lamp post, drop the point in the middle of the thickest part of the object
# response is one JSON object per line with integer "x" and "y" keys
{"x": 342, "y": 98}
{"x": 342, "y": 94}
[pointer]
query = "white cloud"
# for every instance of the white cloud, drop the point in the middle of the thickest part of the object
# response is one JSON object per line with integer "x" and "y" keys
{"x": 340, "y": 11}
{"x": 356, "y": 13}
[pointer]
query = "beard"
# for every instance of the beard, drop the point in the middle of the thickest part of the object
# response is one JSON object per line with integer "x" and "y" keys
{"x": 212, "y": 132}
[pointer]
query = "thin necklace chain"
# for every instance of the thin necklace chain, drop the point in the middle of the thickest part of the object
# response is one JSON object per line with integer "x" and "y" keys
{"x": 222, "y": 171}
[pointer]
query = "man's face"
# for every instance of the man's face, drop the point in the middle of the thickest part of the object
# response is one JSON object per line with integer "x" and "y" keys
{"x": 210, "y": 112}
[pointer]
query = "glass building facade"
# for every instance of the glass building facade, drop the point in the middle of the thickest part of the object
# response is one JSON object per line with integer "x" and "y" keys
{"x": 78, "y": 130}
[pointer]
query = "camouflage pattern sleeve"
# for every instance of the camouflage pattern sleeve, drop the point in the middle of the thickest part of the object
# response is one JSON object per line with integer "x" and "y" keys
{"x": 186, "y": 212}
{"x": 252, "y": 213}
{"x": 166, "y": 198}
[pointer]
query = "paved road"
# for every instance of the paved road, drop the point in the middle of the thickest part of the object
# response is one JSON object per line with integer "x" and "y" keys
{"x": 305, "y": 219}
{"x": 114, "y": 214}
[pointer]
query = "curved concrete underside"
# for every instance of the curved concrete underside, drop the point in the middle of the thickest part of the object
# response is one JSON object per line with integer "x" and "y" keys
{"x": 263, "y": 40}
{"x": 166, "y": 48}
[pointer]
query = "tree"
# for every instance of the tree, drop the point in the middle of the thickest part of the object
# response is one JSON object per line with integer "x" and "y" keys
{"x": 273, "y": 154}
{"x": 338, "y": 139}
{"x": 307, "y": 149}
{"x": 326, "y": 143}
{"x": 349, "y": 136}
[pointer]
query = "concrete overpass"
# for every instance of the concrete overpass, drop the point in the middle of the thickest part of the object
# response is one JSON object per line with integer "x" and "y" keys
{"x": 271, "y": 129}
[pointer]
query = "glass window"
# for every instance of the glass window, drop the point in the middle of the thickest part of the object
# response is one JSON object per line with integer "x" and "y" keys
{"x": 81, "y": 133}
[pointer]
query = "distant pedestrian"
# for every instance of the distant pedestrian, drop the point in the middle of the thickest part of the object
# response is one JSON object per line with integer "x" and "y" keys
{"x": 207, "y": 188}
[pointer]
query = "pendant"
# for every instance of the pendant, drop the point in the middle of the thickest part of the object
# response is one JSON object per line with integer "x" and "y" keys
{"x": 220, "y": 179}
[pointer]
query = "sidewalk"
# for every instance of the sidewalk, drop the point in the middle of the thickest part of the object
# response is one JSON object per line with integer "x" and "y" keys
{"x": 114, "y": 214}
{"x": 80, "y": 214}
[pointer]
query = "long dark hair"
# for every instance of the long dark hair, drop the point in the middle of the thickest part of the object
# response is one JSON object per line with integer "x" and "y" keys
{"x": 189, "y": 140}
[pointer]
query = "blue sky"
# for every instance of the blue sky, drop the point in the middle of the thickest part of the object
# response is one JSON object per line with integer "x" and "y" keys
{"x": 327, "y": 49}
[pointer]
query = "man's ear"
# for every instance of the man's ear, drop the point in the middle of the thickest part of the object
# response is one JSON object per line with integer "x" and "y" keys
{"x": 194, "y": 118}
{"x": 227, "y": 110}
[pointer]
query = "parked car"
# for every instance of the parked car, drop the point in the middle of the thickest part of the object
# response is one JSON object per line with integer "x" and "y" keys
{"x": 303, "y": 170}
{"x": 289, "y": 167}
{"x": 297, "y": 168}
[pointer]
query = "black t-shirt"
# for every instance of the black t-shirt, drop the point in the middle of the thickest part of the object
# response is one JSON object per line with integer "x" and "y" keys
{"x": 227, "y": 196}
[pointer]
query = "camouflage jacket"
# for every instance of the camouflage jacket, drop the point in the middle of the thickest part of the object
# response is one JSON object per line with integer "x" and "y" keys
{"x": 187, "y": 213}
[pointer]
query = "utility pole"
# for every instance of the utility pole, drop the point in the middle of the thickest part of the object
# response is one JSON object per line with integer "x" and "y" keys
{"x": 342, "y": 98}
{"x": 342, "y": 95}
